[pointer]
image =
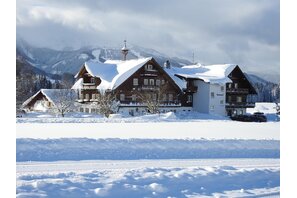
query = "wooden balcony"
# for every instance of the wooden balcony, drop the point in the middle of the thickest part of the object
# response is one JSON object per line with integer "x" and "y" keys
{"x": 237, "y": 90}
{"x": 149, "y": 87}
{"x": 239, "y": 105}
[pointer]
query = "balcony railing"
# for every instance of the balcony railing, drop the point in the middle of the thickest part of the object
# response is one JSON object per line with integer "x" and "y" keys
{"x": 141, "y": 104}
{"x": 237, "y": 90}
{"x": 149, "y": 87}
{"x": 239, "y": 105}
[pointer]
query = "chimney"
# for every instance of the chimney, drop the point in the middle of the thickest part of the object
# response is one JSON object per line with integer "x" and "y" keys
{"x": 125, "y": 50}
{"x": 167, "y": 65}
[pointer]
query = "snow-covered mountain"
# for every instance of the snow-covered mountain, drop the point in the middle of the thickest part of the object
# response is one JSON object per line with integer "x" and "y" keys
{"x": 69, "y": 61}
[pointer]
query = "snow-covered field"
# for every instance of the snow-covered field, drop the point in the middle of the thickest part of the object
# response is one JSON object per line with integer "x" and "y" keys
{"x": 131, "y": 149}
{"x": 150, "y": 178}
{"x": 167, "y": 155}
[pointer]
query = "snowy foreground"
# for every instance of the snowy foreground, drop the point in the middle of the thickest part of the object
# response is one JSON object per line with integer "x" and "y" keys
{"x": 174, "y": 155}
{"x": 150, "y": 178}
{"x": 238, "y": 168}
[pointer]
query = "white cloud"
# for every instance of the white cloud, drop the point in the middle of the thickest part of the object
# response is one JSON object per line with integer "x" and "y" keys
{"x": 246, "y": 32}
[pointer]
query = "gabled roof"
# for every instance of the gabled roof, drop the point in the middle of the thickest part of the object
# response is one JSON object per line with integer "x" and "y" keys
{"x": 210, "y": 74}
{"x": 112, "y": 72}
{"x": 50, "y": 94}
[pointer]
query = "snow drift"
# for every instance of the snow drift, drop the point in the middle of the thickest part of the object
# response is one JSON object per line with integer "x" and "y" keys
{"x": 209, "y": 181}
{"x": 118, "y": 149}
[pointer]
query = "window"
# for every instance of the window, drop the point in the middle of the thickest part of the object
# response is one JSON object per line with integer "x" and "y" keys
{"x": 145, "y": 81}
{"x": 122, "y": 97}
{"x": 240, "y": 112}
{"x": 229, "y": 85}
{"x": 135, "y": 81}
{"x": 149, "y": 67}
{"x": 93, "y": 96}
{"x": 163, "y": 82}
{"x": 133, "y": 97}
{"x": 229, "y": 99}
{"x": 222, "y": 88}
{"x": 87, "y": 96}
{"x": 212, "y": 94}
{"x": 158, "y": 82}
{"x": 189, "y": 98}
{"x": 170, "y": 97}
{"x": 92, "y": 80}
{"x": 239, "y": 99}
{"x": 212, "y": 107}
{"x": 93, "y": 110}
{"x": 47, "y": 103}
{"x": 235, "y": 85}
{"x": 221, "y": 101}
{"x": 86, "y": 110}
{"x": 81, "y": 109}
{"x": 152, "y": 82}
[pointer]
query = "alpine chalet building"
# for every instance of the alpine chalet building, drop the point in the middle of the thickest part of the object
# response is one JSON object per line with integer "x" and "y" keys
{"x": 215, "y": 89}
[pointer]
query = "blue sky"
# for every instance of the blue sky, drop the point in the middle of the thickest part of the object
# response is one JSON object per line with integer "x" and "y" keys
{"x": 230, "y": 31}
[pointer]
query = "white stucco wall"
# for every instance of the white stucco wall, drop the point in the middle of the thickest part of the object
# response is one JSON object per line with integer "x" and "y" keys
{"x": 204, "y": 102}
{"x": 201, "y": 97}
{"x": 217, "y": 103}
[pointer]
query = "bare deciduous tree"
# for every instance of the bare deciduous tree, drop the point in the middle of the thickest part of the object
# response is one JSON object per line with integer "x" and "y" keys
{"x": 107, "y": 103}
{"x": 154, "y": 98}
{"x": 64, "y": 101}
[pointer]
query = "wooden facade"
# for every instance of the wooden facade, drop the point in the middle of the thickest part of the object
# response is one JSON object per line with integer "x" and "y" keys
{"x": 237, "y": 92}
{"x": 39, "y": 102}
{"x": 150, "y": 79}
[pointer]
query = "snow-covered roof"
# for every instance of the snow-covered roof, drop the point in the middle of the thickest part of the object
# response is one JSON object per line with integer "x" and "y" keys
{"x": 50, "y": 94}
{"x": 180, "y": 82}
{"x": 78, "y": 84}
{"x": 112, "y": 72}
{"x": 210, "y": 74}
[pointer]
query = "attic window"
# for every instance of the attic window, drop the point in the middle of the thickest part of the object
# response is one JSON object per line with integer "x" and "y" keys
{"x": 149, "y": 67}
